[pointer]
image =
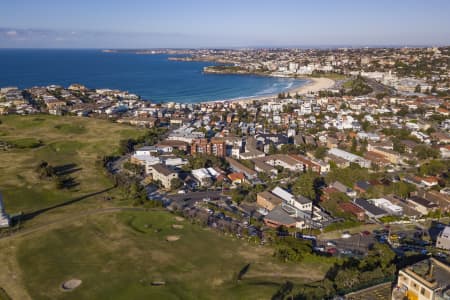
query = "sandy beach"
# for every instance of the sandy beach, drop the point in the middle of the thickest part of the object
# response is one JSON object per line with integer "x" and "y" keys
{"x": 314, "y": 85}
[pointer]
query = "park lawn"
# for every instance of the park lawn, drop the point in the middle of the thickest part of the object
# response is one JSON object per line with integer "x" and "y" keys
{"x": 348, "y": 84}
{"x": 117, "y": 256}
{"x": 333, "y": 76}
{"x": 71, "y": 142}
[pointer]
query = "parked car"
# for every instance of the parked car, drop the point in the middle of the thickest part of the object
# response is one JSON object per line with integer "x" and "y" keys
{"x": 332, "y": 251}
{"x": 319, "y": 249}
{"x": 346, "y": 235}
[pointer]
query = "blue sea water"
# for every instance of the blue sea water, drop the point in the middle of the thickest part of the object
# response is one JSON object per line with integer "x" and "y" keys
{"x": 153, "y": 77}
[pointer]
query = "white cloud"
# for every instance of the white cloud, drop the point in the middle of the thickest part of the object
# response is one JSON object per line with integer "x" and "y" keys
{"x": 11, "y": 33}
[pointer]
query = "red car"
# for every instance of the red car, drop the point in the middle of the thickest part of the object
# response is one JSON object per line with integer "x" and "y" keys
{"x": 332, "y": 251}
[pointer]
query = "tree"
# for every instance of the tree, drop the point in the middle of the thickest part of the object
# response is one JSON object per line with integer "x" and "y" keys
{"x": 320, "y": 152}
{"x": 127, "y": 145}
{"x": 137, "y": 193}
{"x": 433, "y": 89}
{"x": 365, "y": 125}
{"x": 272, "y": 149}
{"x": 176, "y": 183}
{"x": 238, "y": 194}
{"x": 354, "y": 147}
{"x": 403, "y": 189}
{"x": 398, "y": 146}
{"x": 433, "y": 167}
{"x": 424, "y": 152}
{"x": 418, "y": 89}
{"x": 45, "y": 170}
{"x": 134, "y": 168}
{"x": 304, "y": 185}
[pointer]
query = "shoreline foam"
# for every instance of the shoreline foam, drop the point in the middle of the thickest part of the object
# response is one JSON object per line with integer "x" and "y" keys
{"x": 313, "y": 85}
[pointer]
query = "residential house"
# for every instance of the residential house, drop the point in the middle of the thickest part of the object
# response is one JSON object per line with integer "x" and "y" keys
{"x": 203, "y": 146}
{"x": 371, "y": 210}
{"x": 425, "y": 280}
{"x": 443, "y": 239}
{"x": 343, "y": 189}
{"x": 236, "y": 178}
{"x": 301, "y": 203}
{"x": 362, "y": 186}
{"x": 388, "y": 206}
{"x": 267, "y": 200}
{"x": 238, "y": 167}
{"x": 163, "y": 174}
{"x": 351, "y": 208}
{"x": 422, "y": 205}
{"x": 350, "y": 157}
{"x": 261, "y": 166}
{"x": 390, "y": 155}
{"x": 170, "y": 145}
{"x": 279, "y": 217}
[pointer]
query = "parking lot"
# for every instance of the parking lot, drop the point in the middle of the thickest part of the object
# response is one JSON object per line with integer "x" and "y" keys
{"x": 356, "y": 244}
{"x": 196, "y": 196}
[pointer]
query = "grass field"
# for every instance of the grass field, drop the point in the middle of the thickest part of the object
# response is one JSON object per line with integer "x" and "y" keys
{"x": 66, "y": 142}
{"x": 118, "y": 256}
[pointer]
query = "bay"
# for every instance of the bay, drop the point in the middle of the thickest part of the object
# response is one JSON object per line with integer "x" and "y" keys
{"x": 153, "y": 77}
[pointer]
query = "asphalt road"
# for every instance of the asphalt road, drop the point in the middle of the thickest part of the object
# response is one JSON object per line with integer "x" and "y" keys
{"x": 195, "y": 196}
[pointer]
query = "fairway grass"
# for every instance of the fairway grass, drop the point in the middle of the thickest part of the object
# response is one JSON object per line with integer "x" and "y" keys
{"x": 64, "y": 141}
{"x": 118, "y": 256}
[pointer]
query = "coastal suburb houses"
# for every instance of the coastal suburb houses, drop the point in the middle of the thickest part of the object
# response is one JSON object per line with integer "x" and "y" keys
{"x": 214, "y": 147}
{"x": 281, "y": 208}
{"x": 368, "y": 151}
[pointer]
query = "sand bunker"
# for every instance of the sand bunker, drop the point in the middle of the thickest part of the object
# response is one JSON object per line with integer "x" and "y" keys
{"x": 172, "y": 238}
{"x": 71, "y": 284}
{"x": 176, "y": 226}
{"x": 179, "y": 219}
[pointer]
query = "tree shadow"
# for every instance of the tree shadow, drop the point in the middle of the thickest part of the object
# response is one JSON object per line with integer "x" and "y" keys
{"x": 31, "y": 215}
{"x": 66, "y": 169}
{"x": 66, "y": 182}
{"x": 243, "y": 271}
{"x": 284, "y": 290}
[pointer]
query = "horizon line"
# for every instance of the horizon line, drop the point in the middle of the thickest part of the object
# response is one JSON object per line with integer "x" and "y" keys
{"x": 318, "y": 46}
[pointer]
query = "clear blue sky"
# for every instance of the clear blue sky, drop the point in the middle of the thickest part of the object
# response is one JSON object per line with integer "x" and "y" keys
{"x": 230, "y": 23}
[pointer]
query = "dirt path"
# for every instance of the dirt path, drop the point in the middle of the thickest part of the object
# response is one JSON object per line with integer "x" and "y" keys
{"x": 69, "y": 219}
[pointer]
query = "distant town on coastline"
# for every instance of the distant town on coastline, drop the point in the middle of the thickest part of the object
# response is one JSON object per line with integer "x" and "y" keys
{"x": 338, "y": 188}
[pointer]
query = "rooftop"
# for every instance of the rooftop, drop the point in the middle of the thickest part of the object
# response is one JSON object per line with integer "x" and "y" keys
{"x": 278, "y": 215}
{"x": 271, "y": 197}
{"x": 432, "y": 273}
{"x": 162, "y": 169}
{"x": 370, "y": 208}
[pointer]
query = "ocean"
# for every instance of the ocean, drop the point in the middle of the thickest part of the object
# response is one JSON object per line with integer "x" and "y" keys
{"x": 153, "y": 77}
